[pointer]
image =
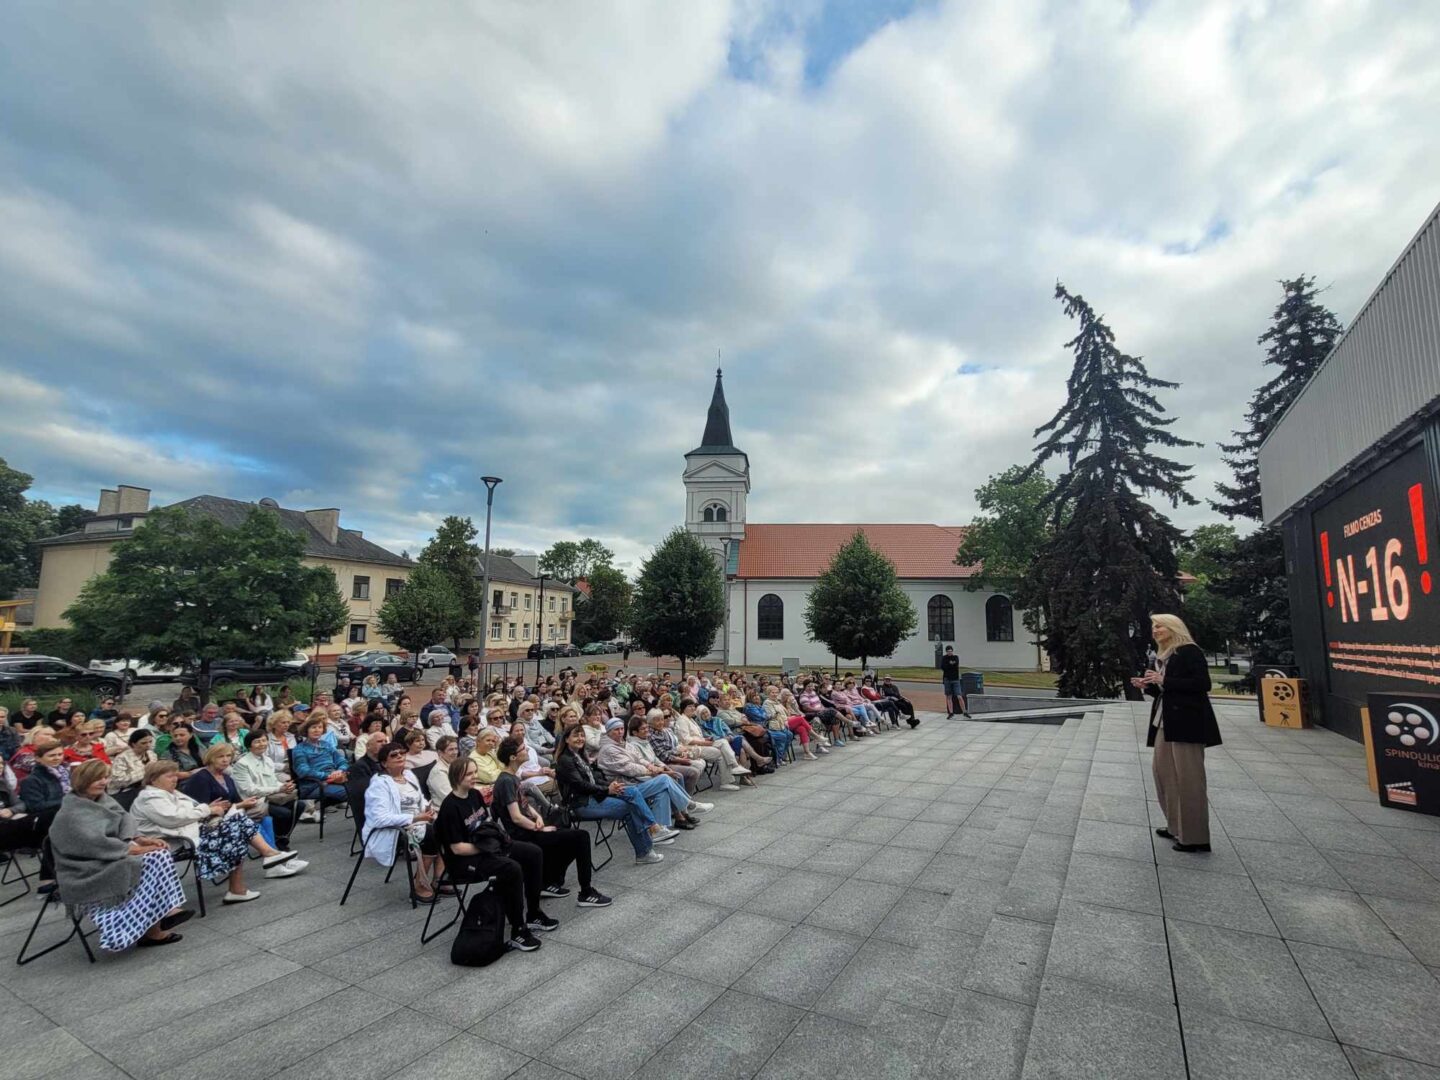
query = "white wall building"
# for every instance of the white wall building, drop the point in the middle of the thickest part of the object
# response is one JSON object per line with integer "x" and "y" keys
{"x": 770, "y": 569}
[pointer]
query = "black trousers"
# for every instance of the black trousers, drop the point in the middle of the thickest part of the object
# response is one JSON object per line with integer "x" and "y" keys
{"x": 517, "y": 876}
{"x": 561, "y": 848}
{"x": 283, "y": 817}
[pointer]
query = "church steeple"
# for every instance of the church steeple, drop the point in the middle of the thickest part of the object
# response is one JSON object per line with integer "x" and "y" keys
{"x": 717, "y": 438}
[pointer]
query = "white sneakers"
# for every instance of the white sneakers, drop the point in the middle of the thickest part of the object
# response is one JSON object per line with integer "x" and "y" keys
{"x": 740, "y": 770}
{"x": 649, "y": 857}
{"x": 664, "y": 836}
{"x": 699, "y": 807}
{"x": 729, "y": 787}
{"x": 240, "y": 898}
{"x": 286, "y": 870}
{"x": 278, "y": 858}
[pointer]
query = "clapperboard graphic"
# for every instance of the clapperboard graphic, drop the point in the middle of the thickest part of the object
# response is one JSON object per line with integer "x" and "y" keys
{"x": 1402, "y": 793}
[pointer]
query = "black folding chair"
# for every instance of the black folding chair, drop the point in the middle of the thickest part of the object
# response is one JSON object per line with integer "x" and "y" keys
{"x": 462, "y": 891}
{"x": 186, "y": 856}
{"x": 602, "y": 838}
{"x": 76, "y": 930}
{"x": 14, "y": 873}
{"x": 402, "y": 843}
{"x": 321, "y": 802}
{"x": 710, "y": 777}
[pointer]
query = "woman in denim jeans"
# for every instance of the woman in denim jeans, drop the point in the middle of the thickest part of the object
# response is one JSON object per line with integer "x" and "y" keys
{"x": 591, "y": 799}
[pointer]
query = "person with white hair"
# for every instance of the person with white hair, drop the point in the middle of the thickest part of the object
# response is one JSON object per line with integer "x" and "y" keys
{"x": 1182, "y": 725}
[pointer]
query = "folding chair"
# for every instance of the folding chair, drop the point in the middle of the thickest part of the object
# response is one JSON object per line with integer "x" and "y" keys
{"x": 53, "y": 897}
{"x": 402, "y": 844}
{"x": 21, "y": 876}
{"x": 462, "y": 891}
{"x": 709, "y": 778}
{"x": 602, "y": 838}
{"x": 186, "y": 856}
{"x": 319, "y": 798}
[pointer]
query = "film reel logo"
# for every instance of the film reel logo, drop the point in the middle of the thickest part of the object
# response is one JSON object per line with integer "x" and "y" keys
{"x": 1411, "y": 724}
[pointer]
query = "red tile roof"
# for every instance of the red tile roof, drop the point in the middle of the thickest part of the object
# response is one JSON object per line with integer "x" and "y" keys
{"x": 803, "y": 551}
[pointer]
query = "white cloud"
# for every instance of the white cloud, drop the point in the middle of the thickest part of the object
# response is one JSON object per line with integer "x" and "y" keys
{"x": 509, "y": 239}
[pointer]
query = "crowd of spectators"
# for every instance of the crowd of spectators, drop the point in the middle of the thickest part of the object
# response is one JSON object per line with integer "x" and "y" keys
{"x": 465, "y": 782}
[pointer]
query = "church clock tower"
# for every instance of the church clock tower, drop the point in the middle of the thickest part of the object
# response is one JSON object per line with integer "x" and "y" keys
{"x": 717, "y": 480}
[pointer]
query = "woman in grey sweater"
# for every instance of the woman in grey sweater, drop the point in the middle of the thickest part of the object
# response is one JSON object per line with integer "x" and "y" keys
{"x": 126, "y": 885}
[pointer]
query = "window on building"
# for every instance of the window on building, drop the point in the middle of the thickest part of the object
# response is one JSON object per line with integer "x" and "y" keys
{"x": 528, "y": 598}
{"x": 514, "y": 600}
{"x": 358, "y": 632}
{"x": 393, "y": 585}
{"x": 999, "y": 619}
{"x": 940, "y": 618}
{"x": 360, "y": 588}
{"x": 525, "y": 631}
{"x": 552, "y": 603}
{"x": 495, "y": 631}
{"x": 770, "y": 618}
{"x": 708, "y": 514}
{"x": 498, "y": 600}
{"x": 564, "y": 603}
{"x": 714, "y": 512}
{"x": 552, "y": 633}
{"x": 512, "y": 631}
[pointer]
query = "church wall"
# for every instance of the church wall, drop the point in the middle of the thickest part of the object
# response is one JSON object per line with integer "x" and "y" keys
{"x": 918, "y": 651}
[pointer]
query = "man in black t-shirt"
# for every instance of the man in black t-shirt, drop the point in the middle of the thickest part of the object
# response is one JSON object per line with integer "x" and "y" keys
{"x": 950, "y": 680}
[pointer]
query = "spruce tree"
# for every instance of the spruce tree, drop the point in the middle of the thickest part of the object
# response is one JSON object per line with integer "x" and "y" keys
{"x": 1111, "y": 561}
{"x": 857, "y": 607}
{"x": 1301, "y": 334}
{"x": 679, "y": 601}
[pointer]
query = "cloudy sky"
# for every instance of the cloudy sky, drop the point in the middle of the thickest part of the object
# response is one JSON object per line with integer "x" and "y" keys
{"x": 358, "y": 255}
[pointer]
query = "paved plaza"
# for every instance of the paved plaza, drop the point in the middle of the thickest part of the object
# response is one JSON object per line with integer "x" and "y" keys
{"x": 966, "y": 900}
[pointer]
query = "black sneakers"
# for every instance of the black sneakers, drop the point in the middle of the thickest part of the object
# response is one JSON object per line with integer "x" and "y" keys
{"x": 523, "y": 941}
{"x": 542, "y": 921}
{"x": 591, "y": 898}
{"x": 554, "y": 890}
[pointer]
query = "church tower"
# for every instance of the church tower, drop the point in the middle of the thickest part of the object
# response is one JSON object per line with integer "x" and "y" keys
{"x": 717, "y": 479}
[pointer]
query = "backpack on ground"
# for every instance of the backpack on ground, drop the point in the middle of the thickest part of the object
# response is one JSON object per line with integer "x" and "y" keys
{"x": 481, "y": 938}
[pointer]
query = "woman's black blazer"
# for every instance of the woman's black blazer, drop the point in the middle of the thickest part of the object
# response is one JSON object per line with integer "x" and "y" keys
{"x": 1185, "y": 701}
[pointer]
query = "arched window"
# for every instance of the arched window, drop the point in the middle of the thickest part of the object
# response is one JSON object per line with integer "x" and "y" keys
{"x": 708, "y": 514}
{"x": 940, "y": 617}
{"x": 719, "y": 513}
{"x": 770, "y": 618}
{"x": 714, "y": 512}
{"x": 999, "y": 619}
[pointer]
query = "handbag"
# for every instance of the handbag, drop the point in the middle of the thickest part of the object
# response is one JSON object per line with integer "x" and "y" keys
{"x": 559, "y": 816}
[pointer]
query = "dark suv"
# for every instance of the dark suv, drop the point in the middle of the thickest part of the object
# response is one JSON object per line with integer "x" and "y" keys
{"x": 540, "y": 652}
{"x": 40, "y": 674}
{"x": 382, "y": 667}
{"x": 251, "y": 671}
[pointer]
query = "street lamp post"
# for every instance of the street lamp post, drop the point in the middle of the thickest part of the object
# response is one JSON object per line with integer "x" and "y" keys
{"x": 540, "y": 632}
{"x": 490, "y": 483}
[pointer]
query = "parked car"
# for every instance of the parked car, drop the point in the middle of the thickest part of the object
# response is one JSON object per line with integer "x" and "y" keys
{"x": 564, "y": 648}
{"x": 38, "y": 674}
{"x": 230, "y": 669}
{"x": 137, "y": 672}
{"x": 540, "y": 652}
{"x": 363, "y": 654}
{"x": 382, "y": 666}
{"x": 436, "y": 656}
{"x": 596, "y": 648}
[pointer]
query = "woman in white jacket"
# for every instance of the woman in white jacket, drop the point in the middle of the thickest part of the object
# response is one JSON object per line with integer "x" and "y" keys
{"x": 396, "y": 808}
{"x": 221, "y": 838}
{"x": 255, "y": 777}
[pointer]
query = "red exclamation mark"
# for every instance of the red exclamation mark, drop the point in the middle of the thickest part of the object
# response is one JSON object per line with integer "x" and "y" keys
{"x": 1417, "y": 521}
{"x": 1325, "y": 563}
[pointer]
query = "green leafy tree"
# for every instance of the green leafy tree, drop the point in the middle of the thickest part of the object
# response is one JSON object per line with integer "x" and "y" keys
{"x": 1301, "y": 333}
{"x": 185, "y": 589}
{"x": 503, "y": 551}
{"x": 1204, "y": 555}
{"x": 1006, "y": 538}
{"x": 572, "y": 559}
{"x": 679, "y": 601}
{"x": 1110, "y": 562}
{"x": 453, "y": 552}
{"x": 423, "y": 612}
{"x": 326, "y": 611}
{"x": 606, "y": 611}
{"x": 856, "y": 607}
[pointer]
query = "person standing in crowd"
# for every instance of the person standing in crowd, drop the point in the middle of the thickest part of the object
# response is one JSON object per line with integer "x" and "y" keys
{"x": 1182, "y": 725}
{"x": 950, "y": 679}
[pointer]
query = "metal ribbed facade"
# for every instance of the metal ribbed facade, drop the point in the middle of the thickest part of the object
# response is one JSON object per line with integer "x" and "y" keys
{"x": 1382, "y": 373}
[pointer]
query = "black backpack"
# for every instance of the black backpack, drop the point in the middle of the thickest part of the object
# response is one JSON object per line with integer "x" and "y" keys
{"x": 481, "y": 938}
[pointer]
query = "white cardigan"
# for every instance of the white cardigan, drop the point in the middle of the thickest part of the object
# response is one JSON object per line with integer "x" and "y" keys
{"x": 384, "y": 817}
{"x": 171, "y": 814}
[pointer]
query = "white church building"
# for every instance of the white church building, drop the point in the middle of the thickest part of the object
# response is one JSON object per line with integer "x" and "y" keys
{"x": 770, "y": 569}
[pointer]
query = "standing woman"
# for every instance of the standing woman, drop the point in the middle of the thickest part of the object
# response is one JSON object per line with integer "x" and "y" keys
{"x": 1182, "y": 725}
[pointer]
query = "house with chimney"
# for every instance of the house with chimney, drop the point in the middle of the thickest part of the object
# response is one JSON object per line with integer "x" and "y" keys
{"x": 367, "y": 572}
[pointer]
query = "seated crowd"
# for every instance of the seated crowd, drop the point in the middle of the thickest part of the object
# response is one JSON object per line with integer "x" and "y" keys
{"x": 476, "y": 783}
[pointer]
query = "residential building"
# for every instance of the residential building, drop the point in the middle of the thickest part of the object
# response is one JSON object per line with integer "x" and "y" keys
{"x": 366, "y": 572}
{"x": 522, "y": 607}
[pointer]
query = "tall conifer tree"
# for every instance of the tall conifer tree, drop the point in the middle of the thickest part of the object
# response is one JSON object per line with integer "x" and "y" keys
{"x": 1111, "y": 561}
{"x": 1301, "y": 334}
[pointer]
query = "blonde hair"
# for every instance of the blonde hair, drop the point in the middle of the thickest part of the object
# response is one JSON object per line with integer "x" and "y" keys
{"x": 1179, "y": 634}
{"x": 87, "y": 772}
{"x": 219, "y": 748}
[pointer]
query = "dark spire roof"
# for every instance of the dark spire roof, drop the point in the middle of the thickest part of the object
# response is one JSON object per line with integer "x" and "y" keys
{"x": 718, "y": 439}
